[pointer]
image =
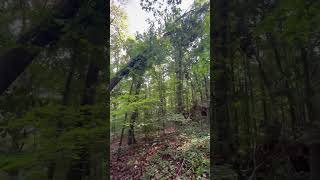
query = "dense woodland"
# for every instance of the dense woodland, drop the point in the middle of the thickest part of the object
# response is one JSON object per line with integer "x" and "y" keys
{"x": 53, "y": 85}
{"x": 159, "y": 112}
{"x": 265, "y": 82}
{"x": 260, "y": 97}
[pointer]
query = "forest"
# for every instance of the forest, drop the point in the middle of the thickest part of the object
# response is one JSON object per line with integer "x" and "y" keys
{"x": 159, "y": 112}
{"x": 53, "y": 90}
{"x": 223, "y": 90}
{"x": 265, "y": 90}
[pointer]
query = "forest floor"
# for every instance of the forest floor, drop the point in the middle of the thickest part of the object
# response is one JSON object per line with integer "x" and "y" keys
{"x": 182, "y": 152}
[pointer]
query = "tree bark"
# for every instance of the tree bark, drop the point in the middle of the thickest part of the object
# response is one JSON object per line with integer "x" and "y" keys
{"x": 134, "y": 63}
{"x": 138, "y": 80}
{"x": 179, "y": 78}
{"x": 14, "y": 61}
{"x": 314, "y": 161}
{"x": 221, "y": 123}
{"x": 81, "y": 168}
{"x": 288, "y": 92}
{"x": 307, "y": 83}
{"x": 123, "y": 126}
{"x": 66, "y": 92}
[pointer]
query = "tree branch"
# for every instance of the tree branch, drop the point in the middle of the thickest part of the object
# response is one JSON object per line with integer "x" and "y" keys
{"x": 14, "y": 61}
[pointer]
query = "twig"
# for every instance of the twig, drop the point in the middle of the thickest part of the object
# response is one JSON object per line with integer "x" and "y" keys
{"x": 254, "y": 171}
{"x": 180, "y": 167}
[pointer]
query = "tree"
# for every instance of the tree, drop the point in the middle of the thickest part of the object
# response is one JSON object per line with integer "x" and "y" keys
{"x": 40, "y": 35}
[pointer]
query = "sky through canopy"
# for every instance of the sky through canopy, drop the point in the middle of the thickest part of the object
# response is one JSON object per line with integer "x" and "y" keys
{"x": 137, "y": 17}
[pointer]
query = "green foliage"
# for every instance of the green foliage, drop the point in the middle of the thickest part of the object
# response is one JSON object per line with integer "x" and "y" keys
{"x": 177, "y": 118}
{"x": 129, "y": 103}
{"x": 224, "y": 173}
{"x": 73, "y": 128}
{"x": 191, "y": 158}
{"x": 293, "y": 21}
{"x": 157, "y": 100}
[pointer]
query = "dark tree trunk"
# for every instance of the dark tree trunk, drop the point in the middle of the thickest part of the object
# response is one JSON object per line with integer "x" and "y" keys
{"x": 315, "y": 161}
{"x": 134, "y": 63}
{"x": 138, "y": 82}
{"x": 65, "y": 99}
{"x": 81, "y": 168}
{"x": 288, "y": 91}
{"x": 222, "y": 147}
{"x": 91, "y": 83}
{"x": 307, "y": 83}
{"x": 179, "y": 78}
{"x": 131, "y": 136}
{"x": 14, "y": 61}
{"x": 123, "y": 126}
{"x": 66, "y": 92}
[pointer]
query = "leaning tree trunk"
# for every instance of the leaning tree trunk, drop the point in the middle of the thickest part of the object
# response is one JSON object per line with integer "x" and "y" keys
{"x": 133, "y": 64}
{"x": 14, "y": 61}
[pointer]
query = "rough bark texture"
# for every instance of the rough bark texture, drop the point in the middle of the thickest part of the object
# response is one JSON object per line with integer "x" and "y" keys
{"x": 221, "y": 122}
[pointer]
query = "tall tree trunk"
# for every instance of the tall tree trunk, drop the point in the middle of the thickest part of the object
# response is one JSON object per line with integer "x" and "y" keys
{"x": 314, "y": 161}
{"x": 134, "y": 115}
{"x": 81, "y": 168}
{"x": 288, "y": 91}
{"x": 247, "y": 113}
{"x": 52, "y": 165}
{"x": 307, "y": 84}
{"x": 206, "y": 88}
{"x": 124, "y": 125}
{"x": 67, "y": 88}
{"x": 222, "y": 147}
{"x": 179, "y": 78}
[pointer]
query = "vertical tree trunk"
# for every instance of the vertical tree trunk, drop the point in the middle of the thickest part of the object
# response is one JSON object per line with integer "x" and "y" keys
{"x": 123, "y": 126}
{"x": 206, "y": 87}
{"x": 307, "y": 84}
{"x": 81, "y": 168}
{"x": 288, "y": 91}
{"x": 314, "y": 161}
{"x": 162, "y": 97}
{"x": 222, "y": 147}
{"x": 66, "y": 92}
{"x": 134, "y": 115}
{"x": 179, "y": 79}
{"x": 246, "y": 109}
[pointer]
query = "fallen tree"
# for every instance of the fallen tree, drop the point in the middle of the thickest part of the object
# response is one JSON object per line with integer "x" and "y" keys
{"x": 14, "y": 61}
{"x": 134, "y": 63}
{"x": 142, "y": 58}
